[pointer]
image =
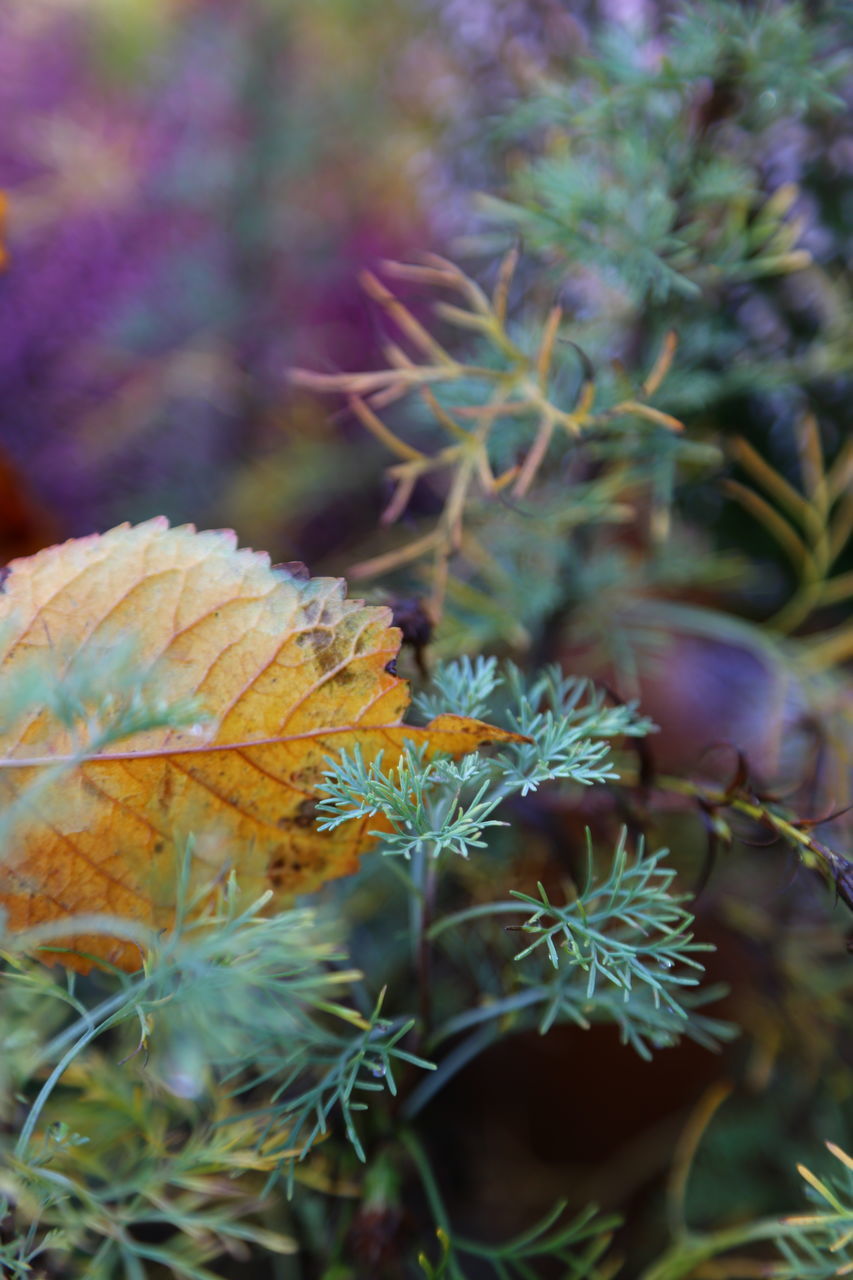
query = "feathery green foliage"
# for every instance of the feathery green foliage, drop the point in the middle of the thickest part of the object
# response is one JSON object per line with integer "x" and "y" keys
{"x": 235, "y": 1032}
{"x": 633, "y": 177}
{"x": 270, "y": 1084}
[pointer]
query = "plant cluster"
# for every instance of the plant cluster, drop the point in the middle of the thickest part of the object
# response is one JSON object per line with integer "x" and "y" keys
{"x": 259, "y": 1049}
{"x": 630, "y": 572}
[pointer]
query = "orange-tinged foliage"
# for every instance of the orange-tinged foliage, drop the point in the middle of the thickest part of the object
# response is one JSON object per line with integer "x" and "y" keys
{"x": 289, "y": 672}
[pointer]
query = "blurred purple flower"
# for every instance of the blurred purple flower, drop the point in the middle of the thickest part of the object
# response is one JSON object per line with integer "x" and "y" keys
{"x": 163, "y": 266}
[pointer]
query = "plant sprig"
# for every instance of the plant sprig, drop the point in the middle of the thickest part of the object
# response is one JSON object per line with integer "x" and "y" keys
{"x": 508, "y": 386}
{"x": 440, "y": 805}
{"x": 577, "y": 1243}
{"x": 813, "y": 527}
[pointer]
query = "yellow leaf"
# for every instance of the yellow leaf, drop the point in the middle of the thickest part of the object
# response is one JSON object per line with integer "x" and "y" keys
{"x": 288, "y": 671}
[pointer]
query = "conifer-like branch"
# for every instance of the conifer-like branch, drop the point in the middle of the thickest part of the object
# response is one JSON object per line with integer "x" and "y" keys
{"x": 507, "y": 385}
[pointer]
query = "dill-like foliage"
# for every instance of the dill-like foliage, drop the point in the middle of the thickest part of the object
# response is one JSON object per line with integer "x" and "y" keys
{"x": 558, "y": 425}
{"x": 630, "y": 174}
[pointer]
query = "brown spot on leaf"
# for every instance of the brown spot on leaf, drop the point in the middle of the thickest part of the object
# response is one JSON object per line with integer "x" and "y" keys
{"x": 276, "y": 870}
{"x": 167, "y": 787}
{"x": 306, "y": 814}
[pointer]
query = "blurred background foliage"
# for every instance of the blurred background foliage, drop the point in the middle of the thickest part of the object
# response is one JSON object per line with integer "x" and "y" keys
{"x": 191, "y": 188}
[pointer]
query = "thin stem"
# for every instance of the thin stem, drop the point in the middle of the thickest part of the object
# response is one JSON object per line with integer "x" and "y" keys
{"x": 422, "y": 941}
{"x": 682, "y": 1259}
{"x": 472, "y": 913}
{"x": 776, "y": 485}
{"x": 103, "y": 1011}
{"x": 468, "y": 1049}
{"x": 428, "y": 1182}
{"x": 829, "y": 649}
{"x": 685, "y": 1154}
{"x": 812, "y": 854}
{"x": 535, "y": 457}
{"x": 50, "y": 1084}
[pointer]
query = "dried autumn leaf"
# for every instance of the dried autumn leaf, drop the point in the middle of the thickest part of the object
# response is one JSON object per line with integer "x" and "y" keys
{"x": 289, "y": 672}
